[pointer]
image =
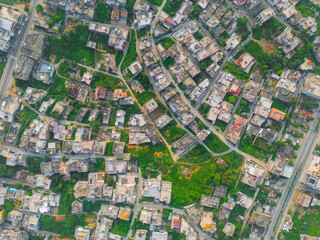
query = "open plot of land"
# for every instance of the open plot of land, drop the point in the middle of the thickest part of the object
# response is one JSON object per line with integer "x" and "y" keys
{"x": 254, "y": 150}
{"x": 172, "y": 132}
{"x": 215, "y": 144}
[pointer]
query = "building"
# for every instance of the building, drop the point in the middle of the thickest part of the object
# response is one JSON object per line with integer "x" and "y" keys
{"x": 264, "y": 16}
{"x": 82, "y": 233}
{"x": 9, "y": 21}
{"x": 311, "y": 86}
{"x": 304, "y": 199}
{"x": 245, "y": 62}
{"x": 229, "y": 229}
{"x": 44, "y": 73}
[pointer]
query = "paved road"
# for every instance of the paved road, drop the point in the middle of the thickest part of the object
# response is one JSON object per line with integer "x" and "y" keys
{"x": 287, "y": 193}
{"x": 6, "y": 78}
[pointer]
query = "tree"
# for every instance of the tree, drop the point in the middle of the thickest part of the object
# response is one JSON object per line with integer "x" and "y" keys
{"x": 232, "y": 99}
{"x": 217, "y": 179}
{"x": 243, "y": 20}
{"x": 26, "y": 8}
{"x": 310, "y": 104}
{"x": 39, "y": 8}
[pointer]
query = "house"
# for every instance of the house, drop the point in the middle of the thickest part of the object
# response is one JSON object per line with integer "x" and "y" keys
{"x": 87, "y": 77}
{"x": 264, "y": 16}
{"x": 244, "y": 200}
{"x": 124, "y": 213}
{"x": 141, "y": 235}
{"x": 220, "y": 191}
{"x": 207, "y": 224}
{"x": 9, "y": 20}
{"x": 245, "y": 62}
{"x": 33, "y": 46}
{"x": 229, "y": 229}
{"x": 209, "y": 201}
{"x": 150, "y": 106}
{"x": 260, "y": 222}
{"x": 120, "y": 118}
{"x": 135, "y": 68}
{"x": 235, "y": 131}
{"x": 279, "y": 168}
{"x": 311, "y": 86}
{"x": 23, "y": 68}
{"x": 45, "y": 73}
{"x": 175, "y": 221}
{"x": 304, "y": 199}
{"x": 252, "y": 174}
{"x": 166, "y": 191}
{"x": 8, "y": 108}
{"x": 232, "y": 42}
{"x": 82, "y": 233}
{"x": 277, "y": 115}
{"x": 159, "y": 235}
{"x": 137, "y": 120}
{"x": 251, "y": 91}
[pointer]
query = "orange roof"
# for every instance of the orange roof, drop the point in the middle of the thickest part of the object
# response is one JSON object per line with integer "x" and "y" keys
{"x": 277, "y": 115}
{"x": 73, "y": 7}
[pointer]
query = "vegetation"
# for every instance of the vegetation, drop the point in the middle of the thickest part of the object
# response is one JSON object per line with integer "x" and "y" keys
{"x": 195, "y": 13}
{"x": 131, "y": 55}
{"x": 269, "y": 29}
{"x": 198, "y": 35}
{"x": 278, "y": 104}
{"x": 243, "y": 108}
{"x": 220, "y": 124}
{"x": 66, "y": 228}
{"x": 254, "y": 150}
{"x": 232, "y": 68}
{"x": 121, "y": 227}
{"x": 242, "y": 28}
{"x": 57, "y": 17}
{"x": 188, "y": 190}
{"x": 129, "y": 7}
{"x": 241, "y": 187}
{"x": 98, "y": 166}
{"x": 156, "y": 157}
{"x": 102, "y": 13}
{"x": 198, "y": 154}
{"x": 172, "y": 132}
{"x": 143, "y": 79}
{"x": 92, "y": 206}
{"x": 215, "y": 144}
{"x": 145, "y": 97}
{"x": 305, "y": 223}
{"x": 204, "y": 109}
{"x": 71, "y": 45}
{"x": 167, "y": 42}
{"x": 156, "y": 2}
{"x": 169, "y": 62}
{"x": 172, "y": 6}
{"x": 106, "y": 81}
{"x": 265, "y": 61}
{"x": 38, "y": 8}
{"x": 307, "y": 8}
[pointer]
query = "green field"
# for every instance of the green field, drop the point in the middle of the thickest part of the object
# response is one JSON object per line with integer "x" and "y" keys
{"x": 172, "y": 132}
{"x": 131, "y": 55}
{"x": 215, "y": 144}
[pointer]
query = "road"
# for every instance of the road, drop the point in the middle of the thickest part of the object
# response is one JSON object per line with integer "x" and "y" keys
{"x": 6, "y": 78}
{"x": 304, "y": 155}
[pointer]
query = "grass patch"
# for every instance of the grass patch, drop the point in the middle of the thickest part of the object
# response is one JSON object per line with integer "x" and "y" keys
{"x": 106, "y": 81}
{"x": 167, "y": 42}
{"x": 121, "y": 227}
{"x": 172, "y": 132}
{"x": 156, "y": 157}
{"x": 131, "y": 53}
{"x": 245, "y": 189}
{"x": 247, "y": 147}
{"x": 71, "y": 46}
{"x": 243, "y": 108}
{"x": 232, "y": 68}
{"x": 215, "y": 144}
{"x": 102, "y": 13}
{"x": 169, "y": 62}
{"x": 278, "y": 104}
{"x": 198, "y": 35}
{"x": 145, "y": 97}
{"x": 269, "y": 29}
{"x": 156, "y": 2}
{"x": 143, "y": 79}
{"x": 172, "y": 6}
{"x": 220, "y": 124}
{"x": 307, "y": 8}
{"x": 198, "y": 154}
